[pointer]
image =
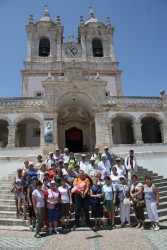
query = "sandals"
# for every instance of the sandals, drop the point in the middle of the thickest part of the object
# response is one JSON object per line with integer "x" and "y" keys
{"x": 38, "y": 236}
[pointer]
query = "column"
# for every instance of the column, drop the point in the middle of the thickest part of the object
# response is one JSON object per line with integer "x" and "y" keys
{"x": 110, "y": 133}
{"x": 55, "y": 130}
{"x": 137, "y": 133}
{"x": 163, "y": 128}
{"x": 42, "y": 135}
{"x": 11, "y": 136}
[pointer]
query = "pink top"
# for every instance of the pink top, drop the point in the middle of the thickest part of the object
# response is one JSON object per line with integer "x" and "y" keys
{"x": 52, "y": 196}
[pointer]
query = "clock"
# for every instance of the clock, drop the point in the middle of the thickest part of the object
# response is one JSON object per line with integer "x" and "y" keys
{"x": 71, "y": 50}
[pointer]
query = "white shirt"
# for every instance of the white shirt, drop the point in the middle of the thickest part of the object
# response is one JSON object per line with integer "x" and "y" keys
{"x": 39, "y": 195}
{"x": 83, "y": 165}
{"x": 115, "y": 179}
{"x": 92, "y": 170}
{"x": 121, "y": 170}
{"x": 104, "y": 168}
{"x": 64, "y": 194}
{"x": 41, "y": 175}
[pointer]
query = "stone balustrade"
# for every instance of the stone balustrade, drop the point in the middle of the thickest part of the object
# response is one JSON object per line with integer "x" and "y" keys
{"x": 134, "y": 101}
{"x": 19, "y": 102}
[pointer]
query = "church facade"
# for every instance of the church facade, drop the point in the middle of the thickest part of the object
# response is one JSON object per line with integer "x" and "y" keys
{"x": 72, "y": 94}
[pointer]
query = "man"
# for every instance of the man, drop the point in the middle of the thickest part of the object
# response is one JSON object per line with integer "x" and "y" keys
{"x": 83, "y": 163}
{"x": 92, "y": 168}
{"x": 50, "y": 160}
{"x": 97, "y": 155}
{"x": 109, "y": 155}
{"x": 81, "y": 198}
{"x": 61, "y": 166}
{"x": 57, "y": 155}
{"x": 104, "y": 166}
{"x": 131, "y": 165}
{"x": 66, "y": 155}
{"x": 121, "y": 170}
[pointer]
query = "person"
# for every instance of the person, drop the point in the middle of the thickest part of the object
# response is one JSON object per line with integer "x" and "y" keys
{"x": 115, "y": 177}
{"x": 45, "y": 184}
{"x": 152, "y": 202}
{"x": 96, "y": 196}
{"x": 50, "y": 160}
{"x": 32, "y": 216}
{"x": 85, "y": 148}
{"x": 58, "y": 156}
{"x": 62, "y": 167}
{"x": 24, "y": 168}
{"x": 97, "y": 155}
{"x": 121, "y": 170}
{"x": 18, "y": 195}
{"x": 136, "y": 193}
{"x": 83, "y": 163}
{"x": 99, "y": 177}
{"x": 41, "y": 171}
{"x": 123, "y": 190}
{"x": 104, "y": 166}
{"x": 66, "y": 155}
{"x": 82, "y": 186}
{"x": 109, "y": 194}
{"x": 26, "y": 183}
{"x": 31, "y": 170}
{"x": 131, "y": 165}
{"x": 76, "y": 169}
{"x": 52, "y": 171}
{"x": 38, "y": 162}
{"x": 52, "y": 198}
{"x": 72, "y": 160}
{"x": 39, "y": 207}
{"x": 65, "y": 204}
{"x": 109, "y": 155}
{"x": 92, "y": 168}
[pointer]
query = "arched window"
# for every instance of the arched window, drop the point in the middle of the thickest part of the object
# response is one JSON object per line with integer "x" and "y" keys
{"x": 97, "y": 48}
{"x": 44, "y": 47}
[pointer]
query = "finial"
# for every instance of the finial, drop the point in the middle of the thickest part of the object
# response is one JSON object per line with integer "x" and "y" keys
{"x": 162, "y": 92}
{"x": 46, "y": 12}
{"x": 70, "y": 37}
{"x": 31, "y": 20}
{"x": 91, "y": 13}
{"x": 58, "y": 20}
{"x": 108, "y": 22}
{"x": 81, "y": 21}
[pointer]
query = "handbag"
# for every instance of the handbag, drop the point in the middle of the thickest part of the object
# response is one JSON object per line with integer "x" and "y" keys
{"x": 126, "y": 201}
{"x": 140, "y": 203}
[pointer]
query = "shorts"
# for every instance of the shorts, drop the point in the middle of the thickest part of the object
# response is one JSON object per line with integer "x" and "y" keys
{"x": 31, "y": 212}
{"x": 52, "y": 214}
{"x": 109, "y": 205}
{"x": 65, "y": 209}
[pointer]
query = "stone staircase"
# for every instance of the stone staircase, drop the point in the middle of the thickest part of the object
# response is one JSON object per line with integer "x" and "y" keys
{"x": 8, "y": 211}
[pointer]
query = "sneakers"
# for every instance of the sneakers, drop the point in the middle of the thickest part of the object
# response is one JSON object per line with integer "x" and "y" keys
{"x": 31, "y": 228}
{"x": 157, "y": 228}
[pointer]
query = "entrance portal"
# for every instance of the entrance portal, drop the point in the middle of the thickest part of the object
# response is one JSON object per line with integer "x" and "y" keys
{"x": 74, "y": 139}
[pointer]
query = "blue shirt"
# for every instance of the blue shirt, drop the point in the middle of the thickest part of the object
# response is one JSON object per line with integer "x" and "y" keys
{"x": 109, "y": 192}
{"x": 96, "y": 191}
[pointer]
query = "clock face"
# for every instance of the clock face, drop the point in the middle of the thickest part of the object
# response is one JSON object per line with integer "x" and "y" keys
{"x": 71, "y": 50}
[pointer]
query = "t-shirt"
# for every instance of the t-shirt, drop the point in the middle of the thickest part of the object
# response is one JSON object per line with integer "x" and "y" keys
{"x": 52, "y": 196}
{"x": 115, "y": 178}
{"x": 32, "y": 173}
{"x": 41, "y": 175}
{"x": 39, "y": 195}
{"x": 135, "y": 189}
{"x": 78, "y": 181}
{"x": 95, "y": 191}
{"x": 64, "y": 194}
{"x": 108, "y": 192}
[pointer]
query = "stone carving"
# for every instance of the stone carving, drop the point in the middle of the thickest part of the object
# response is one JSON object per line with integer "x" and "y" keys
{"x": 48, "y": 134}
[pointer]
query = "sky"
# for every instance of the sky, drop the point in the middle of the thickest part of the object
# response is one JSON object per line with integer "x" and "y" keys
{"x": 140, "y": 39}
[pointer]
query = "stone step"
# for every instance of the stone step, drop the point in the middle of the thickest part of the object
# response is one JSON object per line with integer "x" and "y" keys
{"x": 12, "y": 222}
{"x": 155, "y": 178}
{"x": 7, "y": 202}
{"x": 8, "y": 207}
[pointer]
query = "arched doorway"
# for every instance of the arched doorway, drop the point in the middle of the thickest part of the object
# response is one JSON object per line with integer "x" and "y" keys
{"x": 3, "y": 133}
{"x": 151, "y": 132}
{"x": 28, "y": 133}
{"x": 74, "y": 139}
{"x": 122, "y": 130}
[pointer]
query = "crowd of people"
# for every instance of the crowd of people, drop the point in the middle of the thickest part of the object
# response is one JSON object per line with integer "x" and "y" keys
{"x": 50, "y": 189}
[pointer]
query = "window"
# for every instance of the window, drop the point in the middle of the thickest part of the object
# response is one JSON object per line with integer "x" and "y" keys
{"x": 38, "y": 94}
{"x": 97, "y": 48}
{"x": 44, "y": 47}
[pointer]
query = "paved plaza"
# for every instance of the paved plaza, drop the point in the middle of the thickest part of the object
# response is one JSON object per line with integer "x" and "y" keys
{"x": 119, "y": 238}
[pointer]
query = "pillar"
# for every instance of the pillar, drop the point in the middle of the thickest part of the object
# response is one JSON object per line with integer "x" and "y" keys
{"x": 163, "y": 128}
{"x": 11, "y": 136}
{"x": 137, "y": 133}
{"x": 42, "y": 135}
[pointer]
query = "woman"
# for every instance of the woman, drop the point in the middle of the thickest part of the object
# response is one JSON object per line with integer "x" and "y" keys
{"x": 41, "y": 171}
{"x": 109, "y": 193}
{"x": 52, "y": 171}
{"x": 115, "y": 177}
{"x": 136, "y": 193}
{"x": 18, "y": 195}
{"x": 52, "y": 197}
{"x": 99, "y": 177}
{"x": 39, "y": 207}
{"x": 96, "y": 195}
{"x": 152, "y": 202}
{"x": 65, "y": 203}
{"x": 31, "y": 170}
{"x": 38, "y": 162}
{"x": 72, "y": 160}
{"x": 124, "y": 195}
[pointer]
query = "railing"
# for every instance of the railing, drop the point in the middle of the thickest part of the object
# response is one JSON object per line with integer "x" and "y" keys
{"x": 134, "y": 101}
{"x": 18, "y": 102}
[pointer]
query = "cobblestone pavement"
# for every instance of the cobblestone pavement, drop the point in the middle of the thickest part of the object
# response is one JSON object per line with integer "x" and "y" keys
{"x": 119, "y": 238}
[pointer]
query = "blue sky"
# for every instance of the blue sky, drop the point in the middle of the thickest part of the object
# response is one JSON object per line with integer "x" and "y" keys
{"x": 140, "y": 39}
